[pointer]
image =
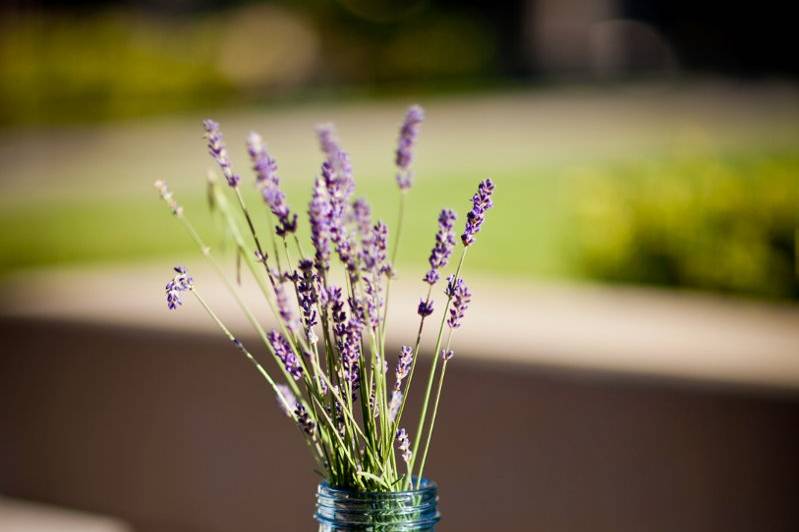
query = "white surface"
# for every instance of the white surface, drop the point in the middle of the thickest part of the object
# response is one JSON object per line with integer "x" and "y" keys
{"x": 24, "y": 516}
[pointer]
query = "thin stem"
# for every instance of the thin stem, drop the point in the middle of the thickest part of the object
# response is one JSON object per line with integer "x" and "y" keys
{"x": 434, "y": 414}
{"x": 431, "y": 378}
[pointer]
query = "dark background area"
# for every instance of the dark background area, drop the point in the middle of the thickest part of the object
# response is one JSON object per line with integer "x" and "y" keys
{"x": 178, "y": 434}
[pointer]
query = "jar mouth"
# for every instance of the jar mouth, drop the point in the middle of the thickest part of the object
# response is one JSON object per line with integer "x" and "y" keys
{"x": 426, "y": 486}
{"x": 406, "y": 510}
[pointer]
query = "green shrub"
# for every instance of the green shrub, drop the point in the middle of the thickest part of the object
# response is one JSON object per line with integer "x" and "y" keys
{"x": 724, "y": 224}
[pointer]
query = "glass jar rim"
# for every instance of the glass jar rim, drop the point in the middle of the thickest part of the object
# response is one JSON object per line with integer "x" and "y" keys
{"x": 427, "y": 486}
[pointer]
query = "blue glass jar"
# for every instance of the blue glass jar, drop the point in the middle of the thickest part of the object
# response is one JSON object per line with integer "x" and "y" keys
{"x": 400, "y": 511}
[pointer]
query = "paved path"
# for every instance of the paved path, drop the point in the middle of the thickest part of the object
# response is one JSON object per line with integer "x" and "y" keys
{"x": 632, "y": 330}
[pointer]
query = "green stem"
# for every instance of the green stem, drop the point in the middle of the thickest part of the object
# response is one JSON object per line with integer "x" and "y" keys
{"x": 431, "y": 378}
{"x": 433, "y": 415}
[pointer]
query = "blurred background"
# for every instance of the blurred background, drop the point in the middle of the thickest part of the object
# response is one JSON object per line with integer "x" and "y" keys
{"x": 632, "y": 358}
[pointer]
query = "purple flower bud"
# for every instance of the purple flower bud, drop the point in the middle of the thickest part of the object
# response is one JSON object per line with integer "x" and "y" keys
{"x": 404, "y": 444}
{"x": 166, "y": 195}
{"x": 269, "y": 184}
{"x": 403, "y": 366}
{"x": 181, "y": 282}
{"x": 461, "y": 296}
{"x": 407, "y": 138}
{"x": 304, "y": 421}
{"x": 362, "y": 214}
{"x": 308, "y": 297}
{"x": 285, "y": 353}
{"x": 481, "y": 203}
{"x": 284, "y": 308}
{"x": 425, "y": 308}
{"x": 216, "y": 147}
{"x": 394, "y": 405}
{"x": 447, "y": 354}
{"x": 442, "y": 250}
{"x": 319, "y": 215}
{"x": 338, "y": 162}
{"x": 286, "y": 399}
{"x": 374, "y": 255}
{"x": 264, "y": 166}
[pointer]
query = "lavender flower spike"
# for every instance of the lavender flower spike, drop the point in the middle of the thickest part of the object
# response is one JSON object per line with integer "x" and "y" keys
{"x": 181, "y": 282}
{"x": 407, "y": 138}
{"x": 263, "y": 165}
{"x": 286, "y": 355}
{"x": 394, "y": 405}
{"x": 166, "y": 195}
{"x": 403, "y": 366}
{"x": 461, "y": 297}
{"x": 404, "y": 444}
{"x": 286, "y": 399}
{"x": 319, "y": 215}
{"x": 425, "y": 308}
{"x": 475, "y": 218}
{"x": 216, "y": 147}
{"x": 269, "y": 183}
{"x": 442, "y": 250}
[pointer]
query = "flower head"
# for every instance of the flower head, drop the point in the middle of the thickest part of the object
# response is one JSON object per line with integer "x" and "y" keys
{"x": 263, "y": 165}
{"x": 481, "y": 202}
{"x": 447, "y": 354}
{"x": 319, "y": 215}
{"x": 181, "y": 282}
{"x": 461, "y": 297}
{"x": 285, "y": 353}
{"x": 394, "y": 405}
{"x": 404, "y": 444}
{"x": 286, "y": 399}
{"x": 442, "y": 250}
{"x": 362, "y": 214}
{"x": 337, "y": 159}
{"x": 407, "y": 138}
{"x": 166, "y": 195}
{"x": 425, "y": 307}
{"x": 216, "y": 147}
{"x": 403, "y": 366}
{"x": 269, "y": 183}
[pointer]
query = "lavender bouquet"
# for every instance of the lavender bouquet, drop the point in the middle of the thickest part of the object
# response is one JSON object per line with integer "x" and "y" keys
{"x": 334, "y": 382}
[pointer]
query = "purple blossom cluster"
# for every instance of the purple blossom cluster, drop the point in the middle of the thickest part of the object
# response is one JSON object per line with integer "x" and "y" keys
{"x": 404, "y": 444}
{"x": 407, "y": 138}
{"x": 347, "y": 335}
{"x": 181, "y": 282}
{"x": 338, "y": 160}
{"x": 216, "y": 147}
{"x": 481, "y": 202}
{"x": 374, "y": 255}
{"x": 285, "y": 353}
{"x": 307, "y": 296}
{"x": 268, "y": 182}
{"x": 348, "y": 358}
{"x": 461, "y": 297}
{"x": 425, "y": 307}
{"x": 283, "y": 307}
{"x": 362, "y": 215}
{"x": 394, "y": 405}
{"x": 442, "y": 250}
{"x": 319, "y": 216}
{"x": 166, "y": 195}
{"x": 403, "y": 366}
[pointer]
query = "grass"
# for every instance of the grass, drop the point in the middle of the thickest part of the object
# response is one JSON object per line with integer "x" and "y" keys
{"x": 521, "y": 239}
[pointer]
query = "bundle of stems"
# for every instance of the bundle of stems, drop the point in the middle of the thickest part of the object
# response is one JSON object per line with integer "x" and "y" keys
{"x": 329, "y": 345}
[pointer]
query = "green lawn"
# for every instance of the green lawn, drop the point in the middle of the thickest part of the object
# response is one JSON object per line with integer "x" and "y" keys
{"x": 646, "y": 170}
{"x": 522, "y": 236}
